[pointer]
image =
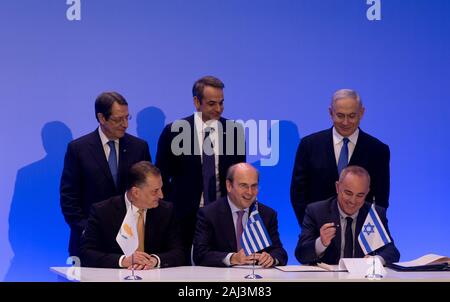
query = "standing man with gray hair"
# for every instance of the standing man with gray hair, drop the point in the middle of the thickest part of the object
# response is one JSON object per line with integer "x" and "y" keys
{"x": 323, "y": 155}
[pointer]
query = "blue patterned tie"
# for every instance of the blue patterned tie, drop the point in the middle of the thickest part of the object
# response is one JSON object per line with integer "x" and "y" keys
{"x": 343, "y": 157}
{"x": 112, "y": 160}
{"x": 208, "y": 169}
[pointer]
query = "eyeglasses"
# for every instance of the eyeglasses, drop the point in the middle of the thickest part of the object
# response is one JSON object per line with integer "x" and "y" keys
{"x": 119, "y": 120}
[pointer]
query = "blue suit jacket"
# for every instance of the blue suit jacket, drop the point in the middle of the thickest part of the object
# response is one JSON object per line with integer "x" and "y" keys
{"x": 321, "y": 212}
{"x": 86, "y": 178}
{"x": 215, "y": 235}
{"x": 315, "y": 170}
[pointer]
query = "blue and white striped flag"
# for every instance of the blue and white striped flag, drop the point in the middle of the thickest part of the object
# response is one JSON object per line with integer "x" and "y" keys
{"x": 255, "y": 237}
{"x": 373, "y": 235}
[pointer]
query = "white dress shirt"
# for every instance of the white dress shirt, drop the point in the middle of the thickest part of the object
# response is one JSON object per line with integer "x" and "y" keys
{"x": 338, "y": 142}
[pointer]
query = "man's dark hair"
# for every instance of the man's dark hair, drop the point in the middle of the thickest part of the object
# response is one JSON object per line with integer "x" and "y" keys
{"x": 105, "y": 101}
{"x": 199, "y": 86}
{"x": 138, "y": 173}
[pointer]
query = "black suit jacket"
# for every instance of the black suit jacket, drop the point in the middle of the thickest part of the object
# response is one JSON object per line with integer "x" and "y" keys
{"x": 99, "y": 247}
{"x": 215, "y": 235}
{"x": 182, "y": 174}
{"x": 86, "y": 178}
{"x": 319, "y": 213}
{"x": 315, "y": 171}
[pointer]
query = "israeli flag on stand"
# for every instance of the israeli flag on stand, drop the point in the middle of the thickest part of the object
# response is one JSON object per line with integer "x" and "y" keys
{"x": 127, "y": 236}
{"x": 255, "y": 237}
{"x": 373, "y": 235}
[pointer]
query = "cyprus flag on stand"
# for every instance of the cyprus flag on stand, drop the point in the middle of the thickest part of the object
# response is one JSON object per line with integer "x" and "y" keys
{"x": 127, "y": 237}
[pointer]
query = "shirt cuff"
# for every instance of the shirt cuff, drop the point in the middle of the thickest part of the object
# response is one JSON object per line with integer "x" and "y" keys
{"x": 158, "y": 264}
{"x": 319, "y": 247}
{"x": 227, "y": 259}
{"x": 120, "y": 260}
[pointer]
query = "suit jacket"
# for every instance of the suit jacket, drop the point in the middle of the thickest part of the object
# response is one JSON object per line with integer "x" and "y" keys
{"x": 319, "y": 213}
{"x": 315, "y": 169}
{"x": 86, "y": 178}
{"x": 215, "y": 235}
{"x": 99, "y": 247}
{"x": 182, "y": 174}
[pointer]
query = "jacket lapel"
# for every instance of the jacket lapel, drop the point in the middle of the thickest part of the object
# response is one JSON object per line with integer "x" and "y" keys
{"x": 123, "y": 158}
{"x": 97, "y": 152}
{"x": 226, "y": 222}
{"x": 330, "y": 156}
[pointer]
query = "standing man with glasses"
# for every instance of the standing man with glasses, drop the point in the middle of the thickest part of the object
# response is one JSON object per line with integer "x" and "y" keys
{"x": 323, "y": 155}
{"x": 194, "y": 154}
{"x": 96, "y": 165}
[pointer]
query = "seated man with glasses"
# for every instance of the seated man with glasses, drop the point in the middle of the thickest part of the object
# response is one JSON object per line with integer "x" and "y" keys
{"x": 96, "y": 165}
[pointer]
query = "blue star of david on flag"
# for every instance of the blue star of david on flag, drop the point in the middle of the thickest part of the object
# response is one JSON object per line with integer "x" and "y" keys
{"x": 368, "y": 229}
{"x": 373, "y": 235}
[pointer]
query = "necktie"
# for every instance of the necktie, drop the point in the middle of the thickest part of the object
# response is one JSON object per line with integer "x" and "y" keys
{"x": 141, "y": 230}
{"x": 239, "y": 230}
{"x": 208, "y": 168}
{"x": 112, "y": 160}
{"x": 348, "y": 244}
{"x": 343, "y": 157}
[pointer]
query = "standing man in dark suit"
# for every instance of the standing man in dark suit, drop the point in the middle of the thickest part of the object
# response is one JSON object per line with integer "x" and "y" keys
{"x": 321, "y": 156}
{"x": 195, "y": 153}
{"x": 331, "y": 226}
{"x": 220, "y": 224}
{"x": 159, "y": 241}
{"x": 96, "y": 165}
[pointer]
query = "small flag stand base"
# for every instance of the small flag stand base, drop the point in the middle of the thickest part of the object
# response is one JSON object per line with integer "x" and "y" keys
{"x": 253, "y": 276}
{"x": 373, "y": 276}
{"x": 133, "y": 277}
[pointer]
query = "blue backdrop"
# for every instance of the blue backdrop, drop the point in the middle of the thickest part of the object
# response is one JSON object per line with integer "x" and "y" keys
{"x": 279, "y": 59}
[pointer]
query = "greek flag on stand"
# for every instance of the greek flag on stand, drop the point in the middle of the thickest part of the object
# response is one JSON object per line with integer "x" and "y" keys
{"x": 255, "y": 236}
{"x": 373, "y": 235}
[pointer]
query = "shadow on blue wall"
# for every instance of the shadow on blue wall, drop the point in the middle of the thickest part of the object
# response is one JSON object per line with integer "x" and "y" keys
{"x": 274, "y": 186}
{"x": 38, "y": 233}
{"x": 150, "y": 123}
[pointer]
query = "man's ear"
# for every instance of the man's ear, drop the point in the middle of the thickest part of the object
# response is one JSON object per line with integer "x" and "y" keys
{"x": 197, "y": 103}
{"x": 229, "y": 185}
{"x": 101, "y": 118}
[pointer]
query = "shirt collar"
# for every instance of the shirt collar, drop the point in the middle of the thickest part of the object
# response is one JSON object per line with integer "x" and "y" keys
{"x": 337, "y": 138}
{"x": 342, "y": 215}
{"x": 104, "y": 138}
{"x": 201, "y": 125}
{"x": 129, "y": 204}
{"x": 233, "y": 207}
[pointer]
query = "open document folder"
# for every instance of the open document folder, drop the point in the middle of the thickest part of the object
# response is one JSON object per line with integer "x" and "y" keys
{"x": 429, "y": 262}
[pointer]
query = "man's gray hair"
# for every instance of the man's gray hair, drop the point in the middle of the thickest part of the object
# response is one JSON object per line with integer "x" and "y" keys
{"x": 346, "y": 93}
{"x": 355, "y": 170}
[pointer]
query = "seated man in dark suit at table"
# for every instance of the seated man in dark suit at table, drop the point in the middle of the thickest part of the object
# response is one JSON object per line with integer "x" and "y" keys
{"x": 158, "y": 232}
{"x": 220, "y": 224}
{"x": 329, "y": 223}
